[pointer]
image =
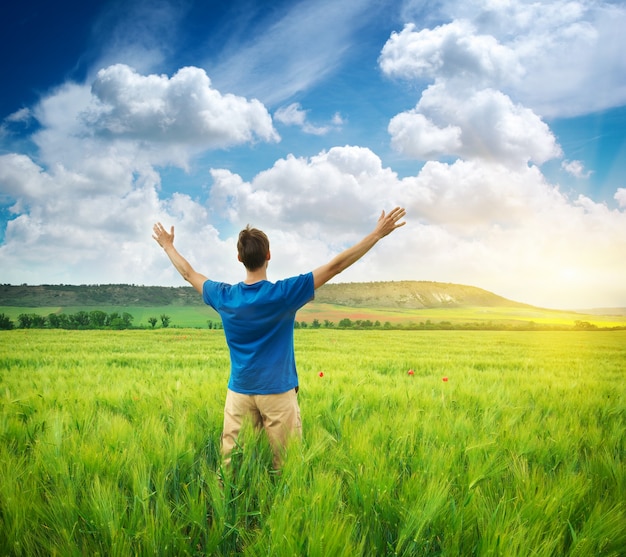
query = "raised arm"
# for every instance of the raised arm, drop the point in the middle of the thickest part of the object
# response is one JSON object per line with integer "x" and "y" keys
{"x": 385, "y": 225}
{"x": 166, "y": 240}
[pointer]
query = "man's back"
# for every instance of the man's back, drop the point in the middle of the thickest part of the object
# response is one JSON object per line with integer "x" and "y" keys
{"x": 258, "y": 323}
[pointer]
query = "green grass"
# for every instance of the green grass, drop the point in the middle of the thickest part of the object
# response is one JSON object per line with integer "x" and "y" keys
{"x": 198, "y": 316}
{"x": 109, "y": 444}
{"x": 511, "y": 315}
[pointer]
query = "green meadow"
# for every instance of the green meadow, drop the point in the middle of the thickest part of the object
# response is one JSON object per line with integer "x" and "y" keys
{"x": 504, "y": 315}
{"x": 199, "y": 316}
{"x": 496, "y": 443}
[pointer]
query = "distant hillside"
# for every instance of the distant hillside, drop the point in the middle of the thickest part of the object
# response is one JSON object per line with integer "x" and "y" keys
{"x": 603, "y": 311}
{"x": 97, "y": 295}
{"x": 410, "y": 295}
{"x": 403, "y": 294}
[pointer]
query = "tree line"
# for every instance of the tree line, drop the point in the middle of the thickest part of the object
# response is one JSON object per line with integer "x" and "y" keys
{"x": 361, "y": 324}
{"x": 95, "y": 319}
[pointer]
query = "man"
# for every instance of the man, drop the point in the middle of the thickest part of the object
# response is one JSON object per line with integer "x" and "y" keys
{"x": 258, "y": 318}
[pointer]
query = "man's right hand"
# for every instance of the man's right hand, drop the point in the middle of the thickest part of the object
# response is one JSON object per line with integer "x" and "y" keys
{"x": 162, "y": 236}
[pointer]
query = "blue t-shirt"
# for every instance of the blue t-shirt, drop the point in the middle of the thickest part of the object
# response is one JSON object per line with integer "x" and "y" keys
{"x": 258, "y": 323}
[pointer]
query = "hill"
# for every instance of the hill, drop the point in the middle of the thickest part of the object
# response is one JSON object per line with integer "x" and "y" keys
{"x": 120, "y": 295}
{"x": 410, "y": 295}
{"x": 402, "y": 294}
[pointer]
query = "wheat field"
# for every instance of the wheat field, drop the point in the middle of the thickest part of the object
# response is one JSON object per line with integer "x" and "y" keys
{"x": 415, "y": 443}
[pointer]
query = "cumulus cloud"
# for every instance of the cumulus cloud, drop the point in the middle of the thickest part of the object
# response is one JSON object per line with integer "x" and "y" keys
{"x": 149, "y": 119}
{"x": 570, "y": 51}
{"x": 181, "y": 109}
{"x": 472, "y": 222}
{"x": 473, "y": 196}
{"x": 467, "y": 109}
{"x": 58, "y": 226}
{"x": 485, "y": 222}
{"x": 486, "y": 76}
{"x": 68, "y": 228}
{"x": 68, "y": 198}
{"x": 511, "y": 231}
{"x": 309, "y": 206}
{"x": 415, "y": 135}
{"x": 560, "y": 58}
{"x": 327, "y": 194}
{"x": 94, "y": 190}
{"x": 452, "y": 51}
{"x": 313, "y": 207}
{"x": 484, "y": 124}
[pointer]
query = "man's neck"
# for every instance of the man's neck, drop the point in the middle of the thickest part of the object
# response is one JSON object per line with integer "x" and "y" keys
{"x": 255, "y": 276}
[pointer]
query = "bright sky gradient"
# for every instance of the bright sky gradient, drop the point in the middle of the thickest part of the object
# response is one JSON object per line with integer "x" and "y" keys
{"x": 499, "y": 124}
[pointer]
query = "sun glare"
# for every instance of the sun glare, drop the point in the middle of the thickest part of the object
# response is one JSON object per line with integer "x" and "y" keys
{"x": 569, "y": 274}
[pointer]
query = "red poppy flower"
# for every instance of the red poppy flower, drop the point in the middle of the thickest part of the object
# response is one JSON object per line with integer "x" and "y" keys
{"x": 321, "y": 374}
{"x": 411, "y": 372}
{"x": 445, "y": 379}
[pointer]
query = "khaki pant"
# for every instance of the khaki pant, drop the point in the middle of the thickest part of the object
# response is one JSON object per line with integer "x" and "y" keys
{"x": 278, "y": 414}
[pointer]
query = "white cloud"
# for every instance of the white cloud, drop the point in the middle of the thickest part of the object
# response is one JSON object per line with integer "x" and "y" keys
{"x": 571, "y": 52}
{"x": 94, "y": 193}
{"x": 560, "y": 58}
{"x": 72, "y": 199}
{"x": 513, "y": 233}
{"x": 620, "y": 197}
{"x": 65, "y": 227}
{"x": 125, "y": 118}
{"x": 326, "y": 194}
{"x": 479, "y": 124}
{"x": 473, "y": 196}
{"x": 416, "y": 136}
{"x": 338, "y": 120}
{"x": 291, "y": 115}
{"x": 501, "y": 228}
{"x": 294, "y": 115}
{"x": 181, "y": 109}
{"x": 311, "y": 208}
{"x": 466, "y": 111}
{"x": 576, "y": 169}
{"x": 68, "y": 229}
{"x": 21, "y": 115}
{"x": 452, "y": 51}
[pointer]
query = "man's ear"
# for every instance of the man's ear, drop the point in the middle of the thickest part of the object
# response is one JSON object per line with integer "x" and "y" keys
{"x": 269, "y": 256}
{"x": 239, "y": 258}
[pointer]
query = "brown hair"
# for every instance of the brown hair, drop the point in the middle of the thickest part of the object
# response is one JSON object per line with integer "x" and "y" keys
{"x": 253, "y": 247}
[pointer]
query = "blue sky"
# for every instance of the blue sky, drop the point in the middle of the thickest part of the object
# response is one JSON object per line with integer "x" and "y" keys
{"x": 500, "y": 126}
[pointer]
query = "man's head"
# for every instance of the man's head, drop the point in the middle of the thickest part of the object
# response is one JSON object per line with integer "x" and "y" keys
{"x": 253, "y": 248}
